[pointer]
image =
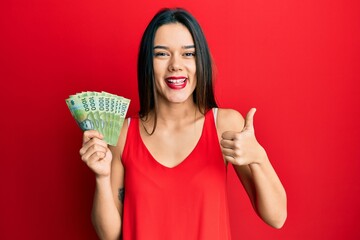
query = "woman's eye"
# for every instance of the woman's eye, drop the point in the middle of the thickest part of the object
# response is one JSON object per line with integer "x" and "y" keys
{"x": 189, "y": 54}
{"x": 160, "y": 54}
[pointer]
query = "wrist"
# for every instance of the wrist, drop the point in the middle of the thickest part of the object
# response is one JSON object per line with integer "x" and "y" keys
{"x": 261, "y": 159}
{"x": 102, "y": 180}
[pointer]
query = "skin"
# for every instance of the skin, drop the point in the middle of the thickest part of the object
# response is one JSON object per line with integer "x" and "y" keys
{"x": 179, "y": 127}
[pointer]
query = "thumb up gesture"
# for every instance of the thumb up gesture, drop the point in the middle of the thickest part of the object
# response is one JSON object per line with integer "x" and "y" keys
{"x": 242, "y": 148}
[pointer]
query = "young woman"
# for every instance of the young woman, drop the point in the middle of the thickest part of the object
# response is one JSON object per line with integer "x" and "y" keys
{"x": 171, "y": 160}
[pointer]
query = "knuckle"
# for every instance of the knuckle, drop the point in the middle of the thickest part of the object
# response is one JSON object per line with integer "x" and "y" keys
{"x": 237, "y": 136}
{"x": 238, "y": 153}
{"x": 92, "y": 142}
{"x": 239, "y": 162}
{"x": 237, "y": 145}
{"x": 97, "y": 140}
{"x": 88, "y": 163}
{"x": 95, "y": 147}
{"x": 86, "y": 134}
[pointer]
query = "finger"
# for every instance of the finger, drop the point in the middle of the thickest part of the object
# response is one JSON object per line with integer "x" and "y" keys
{"x": 94, "y": 150}
{"x": 94, "y": 143}
{"x": 96, "y": 156}
{"x": 249, "y": 121}
{"x": 229, "y": 135}
{"x": 227, "y": 144}
{"x": 228, "y": 152}
{"x": 229, "y": 159}
{"x": 228, "y": 155}
{"x": 89, "y": 134}
{"x": 91, "y": 142}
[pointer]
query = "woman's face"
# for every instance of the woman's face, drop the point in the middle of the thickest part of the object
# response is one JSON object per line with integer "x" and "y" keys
{"x": 174, "y": 63}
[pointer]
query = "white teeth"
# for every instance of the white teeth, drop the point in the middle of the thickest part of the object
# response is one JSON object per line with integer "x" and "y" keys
{"x": 176, "y": 81}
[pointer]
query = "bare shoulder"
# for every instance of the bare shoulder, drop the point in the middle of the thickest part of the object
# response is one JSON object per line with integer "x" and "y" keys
{"x": 229, "y": 120}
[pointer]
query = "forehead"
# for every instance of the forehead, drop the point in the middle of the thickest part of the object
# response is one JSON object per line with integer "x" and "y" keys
{"x": 173, "y": 34}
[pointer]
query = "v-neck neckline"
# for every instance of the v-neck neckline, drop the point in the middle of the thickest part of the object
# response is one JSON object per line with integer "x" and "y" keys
{"x": 182, "y": 162}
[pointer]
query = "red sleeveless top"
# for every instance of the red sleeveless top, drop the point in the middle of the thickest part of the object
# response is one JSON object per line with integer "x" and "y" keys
{"x": 185, "y": 202}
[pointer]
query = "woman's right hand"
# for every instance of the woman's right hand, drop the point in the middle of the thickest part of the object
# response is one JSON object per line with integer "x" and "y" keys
{"x": 96, "y": 154}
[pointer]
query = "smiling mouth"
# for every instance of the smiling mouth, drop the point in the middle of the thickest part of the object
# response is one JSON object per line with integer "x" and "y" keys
{"x": 176, "y": 83}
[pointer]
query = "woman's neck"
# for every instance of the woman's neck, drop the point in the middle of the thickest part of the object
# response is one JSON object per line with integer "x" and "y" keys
{"x": 173, "y": 115}
{"x": 175, "y": 112}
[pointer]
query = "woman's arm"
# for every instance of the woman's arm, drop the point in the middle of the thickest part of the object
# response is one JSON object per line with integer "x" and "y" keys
{"x": 106, "y": 212}
{"x": 250, "y": 161}
{"x": 106, "y": 163}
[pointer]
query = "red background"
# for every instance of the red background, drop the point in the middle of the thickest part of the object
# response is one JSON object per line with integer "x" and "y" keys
{"x": 298, "y": 62}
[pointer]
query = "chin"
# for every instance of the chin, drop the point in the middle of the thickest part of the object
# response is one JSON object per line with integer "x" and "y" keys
{"x": 179, "y": 99}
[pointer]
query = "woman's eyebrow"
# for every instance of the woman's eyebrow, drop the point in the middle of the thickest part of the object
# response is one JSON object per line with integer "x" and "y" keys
{"x": 166, "y": 48}
{"x": 188, "y": 46}
{"x": 160, "y": 47}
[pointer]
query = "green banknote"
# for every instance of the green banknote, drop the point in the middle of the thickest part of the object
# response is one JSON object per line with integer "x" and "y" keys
{"x": 101, "y": 111}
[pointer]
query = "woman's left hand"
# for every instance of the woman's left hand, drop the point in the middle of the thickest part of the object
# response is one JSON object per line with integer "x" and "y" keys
{"x": 242, "y": 148}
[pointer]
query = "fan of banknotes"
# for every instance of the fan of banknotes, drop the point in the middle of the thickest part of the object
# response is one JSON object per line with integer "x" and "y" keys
{"x": 101, "y": 111}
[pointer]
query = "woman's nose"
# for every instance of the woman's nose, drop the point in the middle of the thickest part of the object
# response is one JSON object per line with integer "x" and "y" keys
{"x": 175, "y": 64}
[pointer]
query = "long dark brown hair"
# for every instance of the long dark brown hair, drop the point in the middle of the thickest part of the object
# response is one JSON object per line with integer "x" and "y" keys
{"x": 203, "y": 95}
